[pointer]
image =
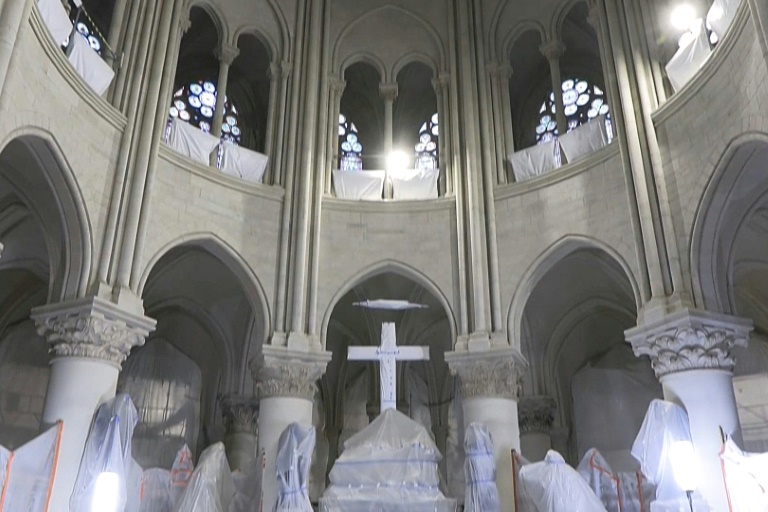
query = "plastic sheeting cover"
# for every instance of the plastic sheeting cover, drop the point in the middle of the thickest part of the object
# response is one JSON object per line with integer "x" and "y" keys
{"x": 191, "y": 142}
{"x": 181, "y": 472}
{"x": 26, "y": 475}
{"x": 689, "y": 58}
{"x": 156, "y": 491}
{"x": 415, "y": 184}
{"x": 89, "y": 65}
{"x": 534, "y": 161}
{"x": 622, "y": 492}
{"x": 105, "y": 468}
{"x": 480, "y": 471}
{"x": 56, "y": 19}
{"x": 554, "y": 486}
{"x": 721, "y": 14}
{"x": 294, "y": 457}
{"x": 523, "y": 502}
{"x": 585, "y": 139}
{"x": 243, "y": 163}
{"x": 211, "y": 488}
{"x": 746, "y": 478}
{"x": 360, "y": 185}
{"x": 390, "y": 466}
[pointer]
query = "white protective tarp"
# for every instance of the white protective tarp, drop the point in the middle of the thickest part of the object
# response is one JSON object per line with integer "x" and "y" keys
{"x": 294, "y": 457}
{"x": 690, "y": 57}
{"x": 619, "y": 492}
{"x": 181, "y": 472}
{"x": 243, "y": 163}
{"x": 191, "y": 141}
{"x": 584, "y": 140}
{"x": 746, "y": 478}
{"x": 523, "y": 502}
{"x": 106, "y": 467}
{"x": 415, "y": 184}
{"x": 721, "y": 14}
{"x": 664, "y": 430}
{"x": 27, "y": 474}
{"x": 360, "y": 185}
{"x": 554, "y": 486}
{"x": 89, "y": 65}
{"x": 211, "y": 488}
{"x": 390, "y": 466}
{"x": 56, "y": 19}
{"x": 480, "y": 471}
{"x": 534, "y": 161}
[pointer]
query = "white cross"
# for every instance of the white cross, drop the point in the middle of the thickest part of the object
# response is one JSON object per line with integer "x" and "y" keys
{"x": 388, "y": 353}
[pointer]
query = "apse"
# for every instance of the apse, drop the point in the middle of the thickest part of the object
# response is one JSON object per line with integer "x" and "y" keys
{"x": 208, "y": 326}
{"x": 351, "y": 388}
{"x": 573, "y": 337}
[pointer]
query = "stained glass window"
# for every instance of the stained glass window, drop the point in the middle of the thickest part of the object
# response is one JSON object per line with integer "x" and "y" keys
{"x": 582, "y": 102}
{"x": 426, "y": 148}
{"x": 196, "y": 104}
{"x": 351, "y": 149}
{"x": 87, "y": 28}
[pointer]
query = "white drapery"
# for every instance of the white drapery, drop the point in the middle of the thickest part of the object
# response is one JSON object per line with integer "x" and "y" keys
{"x": 243, "y": 163}
{"x": 721, "y": 14}
{"x": 191, "y": 142}
{"x": 56, "y": 19}
{"x": 586, "y": 139}
{"x": 360, "y": 185}
{"x": 534, "y": 161}
{"x": 689, "y": 58}
{"x": 89, "y": 65}
{"x": 415, "y": 184}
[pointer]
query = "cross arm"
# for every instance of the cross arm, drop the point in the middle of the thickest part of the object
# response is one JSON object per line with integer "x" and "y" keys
{"x": 362, "y": 353}
{"x": 412, "y": 353}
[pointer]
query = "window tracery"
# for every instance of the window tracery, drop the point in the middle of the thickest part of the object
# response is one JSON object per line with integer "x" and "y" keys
{"x": 582, "y": 101}
{"x": 427, "y": 147}
{"x": 351, "y": 148}
{"x": 196, "y": 104}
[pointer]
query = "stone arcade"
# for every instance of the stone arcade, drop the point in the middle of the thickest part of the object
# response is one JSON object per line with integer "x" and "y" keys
{"x": 195, "y": 194}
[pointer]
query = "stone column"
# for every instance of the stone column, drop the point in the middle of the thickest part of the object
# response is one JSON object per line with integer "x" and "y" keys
{"x": 241, "y": 420}
{"x": 269, "y": 135}
{"x": 536, "y": 420}
{"x": 12, "y": 15}
{"x": 116, "y": 27}
{"x": 278, "y": 125}
{"x": 440, "y": 85}
{"x": 498, "y": 75}
{"x": 490, "y": 382}
{"x": 334, "y": 109}
{"x": 286, "y": 382}
{"x": 690, "y": 352}
{"x": 388, "y": 92}
{"x": 89, "y": 340}
{"x": 226, "y": 54}
{"x": 553, "y": 50}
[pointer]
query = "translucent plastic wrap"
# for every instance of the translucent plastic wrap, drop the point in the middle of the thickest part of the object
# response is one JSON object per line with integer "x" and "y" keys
{"x": 554, "y": 486}
{"x": 26, "y": 475}
{"x": 294, "y": 457}
{"x": 390, "y": 466}
{"x": 156, "y": 491}
{"x": 247, "y": 490}
{"x": 211, "y": 488}
{"x": 480, "y": 471}
{"x": 103, "y": 479}
{"x": 619, "y": 492}
{"x": 523, "y": 502}
{"x": 181, "y": 472}
{"x": 746, "y": 478}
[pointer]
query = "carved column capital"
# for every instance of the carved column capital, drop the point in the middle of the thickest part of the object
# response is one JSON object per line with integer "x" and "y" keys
{"x": 494, "y": 373}
{"x": 240, "y": 413}
{"x": 337, "y": 85}
{"x": 553, "y": 49}
{"x": 92, "y": 328}
{"x": 690, "y": 340}
{"x": 536, "y": 414}
{"x": 280, "y": 372}
{"x": 388, "y": 91}
{"x": 227, "y": 53}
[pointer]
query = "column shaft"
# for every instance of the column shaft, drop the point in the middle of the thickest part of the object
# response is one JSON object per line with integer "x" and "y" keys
{"x": 128, "y": 57}
{"x": 271, "y": 128}
{"x": 226, "y": 55}
{"x": 332, "y": 153}
{"x": 553, "y": 50}
{"x": 279, "y": 126}
{"x": 116, "y": 25}
{"x": 506, "y": 109}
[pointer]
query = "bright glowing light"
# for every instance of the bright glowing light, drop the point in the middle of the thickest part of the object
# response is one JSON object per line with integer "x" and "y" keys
{"x": 683, "y": 17}
{"x": 106, "y": 493}
{"x": 685, "y": 466}
{"x": 397, "y": 161}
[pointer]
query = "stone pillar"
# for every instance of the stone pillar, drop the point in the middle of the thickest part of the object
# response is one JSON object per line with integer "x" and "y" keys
{"x": 269, "y": 135}
{"x": 286, "y": 382}
{"x": 388, "y": 93}
{"x": 536, "y": 420}
{"x": 89, "y": 340}
{"x": 278, "y": 126}
{"x": 226, "y": 54}
{"x": 241, "y": 420}
{"x": 490, "y": 382}
{"x": 116, "y": 27}
{"x": 502, "y": 116}
{"x": 12, "y": 15}
{"x": 334, "y": 109}
{"x": 690, "y": 352}
{"x": 440, "y": 84}
{"x": 553, "y": 50}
